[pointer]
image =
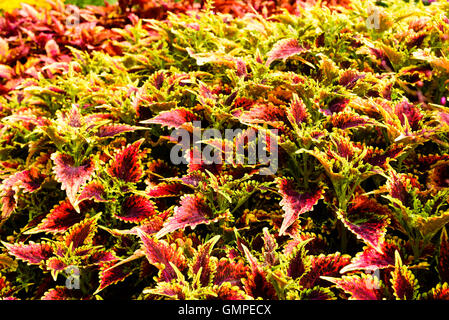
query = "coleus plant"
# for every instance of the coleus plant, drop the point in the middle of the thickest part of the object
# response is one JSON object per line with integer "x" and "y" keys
{"x": 356, "y": 115}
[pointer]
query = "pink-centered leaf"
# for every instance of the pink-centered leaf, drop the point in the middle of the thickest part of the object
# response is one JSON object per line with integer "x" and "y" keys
{"x": 370, "y": 259}
{"x": 193, "y": 210}
{"x": 367, "y": 219}
{"x": 173, "y": 118}
{"x": 284, "y": 49}
{"x": 92, "y": 190}
{"x": 111, "y": 130}
{"x": 264, "y": 113}
{"x": 359, "y": 287}
{"x": 71, "y": 176}
{"x": 295, "y": 203}
{"x": 32, "y": 253}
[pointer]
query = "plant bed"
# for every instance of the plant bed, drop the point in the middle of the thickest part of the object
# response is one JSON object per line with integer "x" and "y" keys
{"x": 225, "y": 150}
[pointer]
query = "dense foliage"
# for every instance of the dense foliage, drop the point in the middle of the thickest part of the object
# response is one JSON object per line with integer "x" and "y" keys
{"x": 358, "y": 204}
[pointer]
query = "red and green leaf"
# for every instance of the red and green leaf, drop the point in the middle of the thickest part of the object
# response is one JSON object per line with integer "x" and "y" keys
{"x": 404, "y": 284}
{"x": 201, "y": 262}
{"x": 359, "y": 287}
{"x": 160, "y": 254}
{"x": 371, "y": 259}
{"x": 71, "y": 176}
{"x": 193, "y": 210}
{"x": 173, "y": 119}
{"x": 126, "y": 165}
{"x": 32, "y": 253}
{"x": 110, "y": 274}
{"x": 367, "y": 219}
{"x": 136, "y": 209}
{"x": 284, "y": 49}
{"x": 295, "y": 203}
{"x": 81, "y": 233}
{"x": 60, "y": 219}
{"x": 324, "y": 265}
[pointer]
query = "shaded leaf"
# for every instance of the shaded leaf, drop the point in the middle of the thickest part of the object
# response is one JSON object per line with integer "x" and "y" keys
{"x": 294, "y": 203}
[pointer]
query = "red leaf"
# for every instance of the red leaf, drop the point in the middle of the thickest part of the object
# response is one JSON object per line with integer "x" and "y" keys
{"x": 173, "y": 118}
{"x": 201, "y": 260}
{"x": 197, "y": 162}
{"x": 439, "y": 176}
{"x": 136, "y": 209}
{"x": 93, "y": 190}
{"x": 192, "y": 212}
{"x": 371, "y": 259}
{"x": 399, "y": 185}
{"x": 373, "y": 224}
{"x": 111, "y": 130}
{"x": 298, "y": 263}
{"x": 297, "y": 112}
{"x": 405, "y": 286}
{"x": 346, "y": 120}
{"x": 159, "y": 253}
{"x": 30, "y": 180}
{"x": 61, "y": 293}
{"x": 126, "y": 165}
{"x": 380, "y": 157}
{"x": 110, "y": 275}
{"x": 60, "y": 218}
{"x": 405, "y": 110}
{"x": 56, "y": 264}
{"x": 257, "y": 284}
{"x": 363, "y": 287}
{"x": 324, "y": 265}
{"x": 264, "y": 113}
{"x": 283, "y": 49}
{"x": 81, "y": 233}
{"x": 228, "y": 292}
{"x": 32, "y": 253}
{"x": 229, "y": 271}
{"x": 294, "y": 203}
{"x": 70, "y": 176}
{"x": 100, "y": 256}
{"x": 164, "y": 190}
